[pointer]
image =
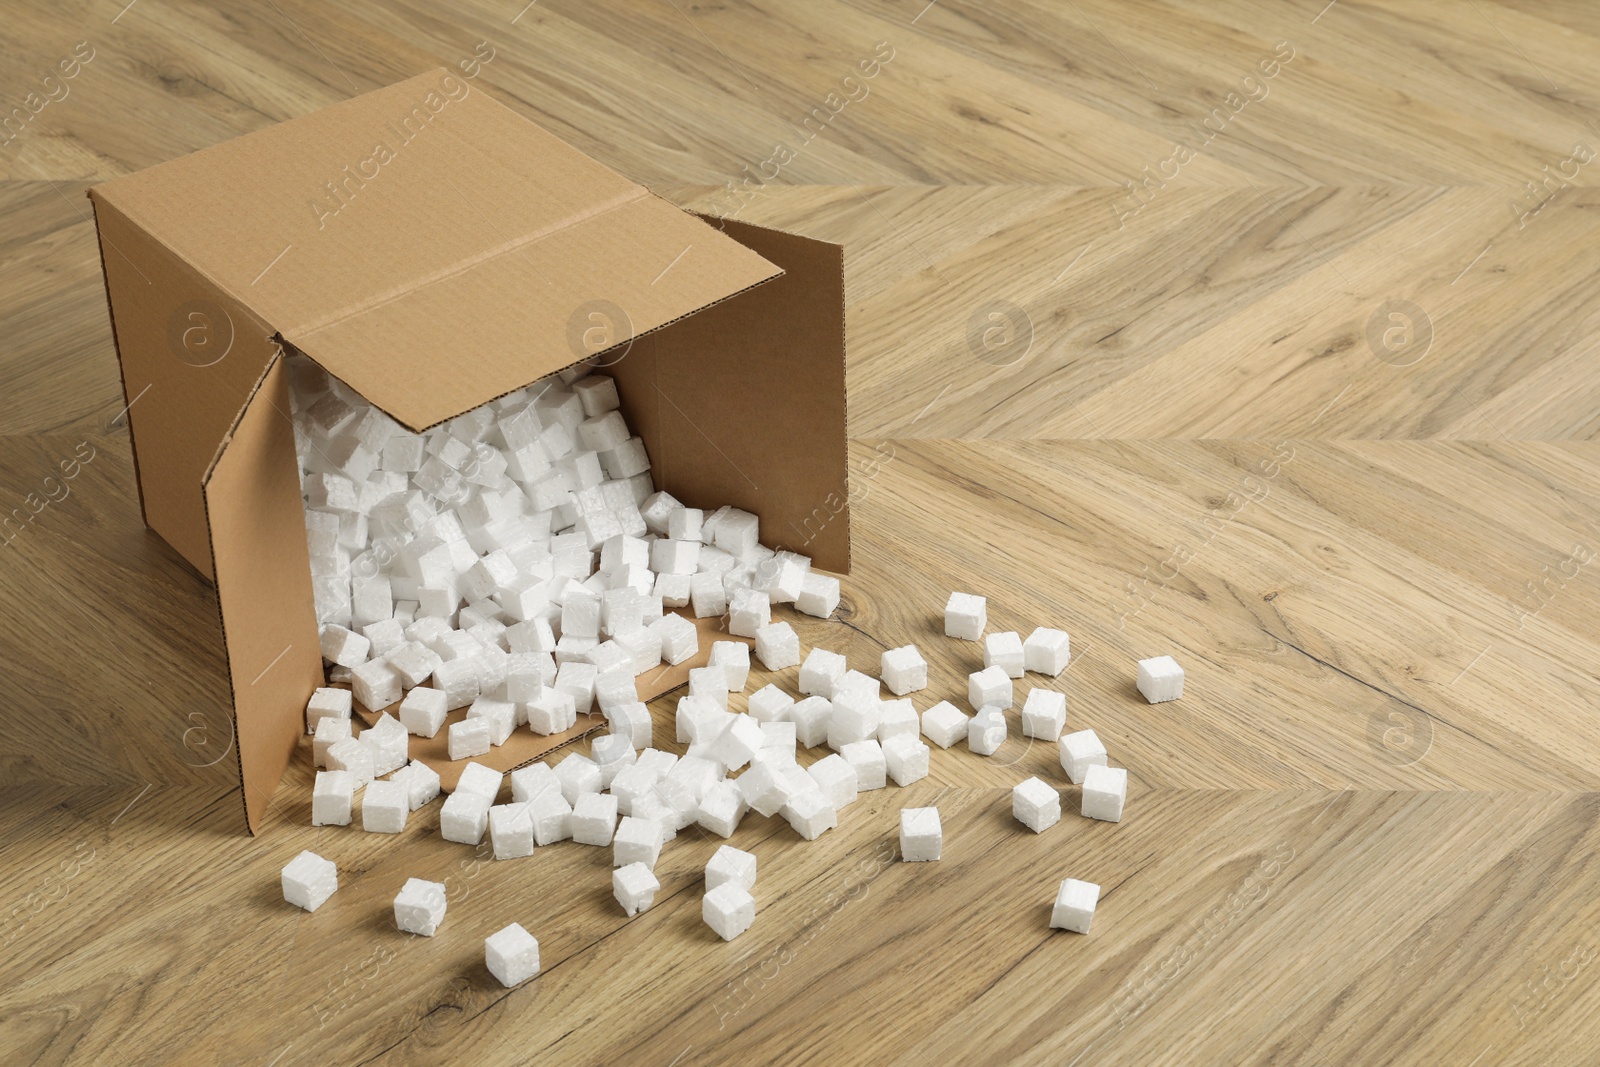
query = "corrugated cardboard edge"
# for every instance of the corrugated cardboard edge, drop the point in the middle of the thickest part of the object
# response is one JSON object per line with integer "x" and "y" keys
{"x": 116, "y": 346}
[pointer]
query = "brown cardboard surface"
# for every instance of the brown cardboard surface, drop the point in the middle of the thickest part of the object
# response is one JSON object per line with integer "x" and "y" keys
{"x": 524, "y": 746}
{"x": 263, "y": 576}
{"x": 743, "y": 403}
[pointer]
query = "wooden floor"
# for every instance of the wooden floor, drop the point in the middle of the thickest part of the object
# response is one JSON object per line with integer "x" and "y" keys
{"x": 1312, "y": 409}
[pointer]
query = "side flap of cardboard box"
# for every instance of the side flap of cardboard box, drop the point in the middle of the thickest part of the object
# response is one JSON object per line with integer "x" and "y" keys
{"x": 744, "y": 402}
{"x": 263, "y": 578}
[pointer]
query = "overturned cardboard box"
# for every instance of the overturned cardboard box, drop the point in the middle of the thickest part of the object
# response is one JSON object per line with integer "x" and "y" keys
{"x": 435, "y": 250}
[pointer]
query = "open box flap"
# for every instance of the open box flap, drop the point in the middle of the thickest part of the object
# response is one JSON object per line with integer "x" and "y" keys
{"x": 263, "y": 578}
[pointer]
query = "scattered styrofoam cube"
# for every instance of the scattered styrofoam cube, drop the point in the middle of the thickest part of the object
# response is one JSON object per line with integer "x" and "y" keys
{"x": 1004, "y": 650}
{"x": 867, "y": 760}
{"x": 986, "y": 731}
{"x": 906, "y": 758}
{"x": 735, "y": 745}
{"x": 330, "y": 731}
{"x": 464, "y": 817}
{"x": 1036, "y": 804}
{"x": 729, "y": 910}
{"x": 484, "y": 781}
{"x": 734, "y": 659}
{"x": 553, "y": 711}
{"x": 387, "y": 740}
{"x": 458, "y": 680}
{"x": 423, "y": 711}
{"x": 1074, "y": 907}
{"x": 990, "y": 687}
{"x": 903, "y": 670}
{"x": 1160, "y": 679}
{"x": 636, "y": 840}
{"x": 770, "y": 704}
{"x": 469, "y": 737}
{"x": 921, "y": 835}
{"x": 351, "y": 755}
{"x": 709, "y": 683}
{"x": 419, "y": 907}
{"x": 344, "y": 646}
{"x": 708, "y": 596}
{"x": 731, "y": 865}
{"x": 552, "y": 818}
{"x": 532, "y": 780}
{"x": 421, "y": 782}
{"x": 683, "y": 524}
{"x": 1079, "y": 752}
{"x": 810, "y": 813}
{"x": 309, "y": 880}
{"x": 680, "y": 639}
{"x": 944, "y": 724}
{"x": 635, "y": 887}
{"x": 375, "y": 685}
{"x": 384, "y": 807}
{"x": 1104, "y": 791}
{"x": 778, "y": 740}
{"x": 1047, "y": 651}
{"x": 721, "y": 807}
{"x": 1044, "y": 714}
{"x": 748, "y": 612}
{"x": 327, "y": 704}
{"x": 632, "y": 721}
{"x": 965, "y": 616}
{"x": 511, "y": 830}
{"x": 821, "y": 672}
{"x": 812, "y": 718}
{"x": 594, "y": 819}
{"x": 512, "y": 955}
{"x": 578, "y": 775}
{"x": 611, "y": 753}
{"x": 777, "y": 646}
{"x": 819, "y": 595}
{"x": 836, "y": 778}
{"x": 332, "y": 798}
{"x": 897, "y": 717}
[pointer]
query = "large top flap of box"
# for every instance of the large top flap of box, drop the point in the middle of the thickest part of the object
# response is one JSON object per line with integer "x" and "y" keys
{"x": 430, "y": 246}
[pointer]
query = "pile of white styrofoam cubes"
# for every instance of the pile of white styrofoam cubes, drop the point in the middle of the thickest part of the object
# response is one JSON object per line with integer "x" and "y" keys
{"x": 518, "y": 562}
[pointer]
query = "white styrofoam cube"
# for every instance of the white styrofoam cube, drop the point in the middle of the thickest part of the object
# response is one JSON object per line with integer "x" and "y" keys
{"x": 384, "y": 807}
{"x": 965, "y": 616}
{"x": 729, "y": 910}
{"x": 748, "y": 612}
{"x": 602, "y": 432}
{"x": 1079, "y": 752}
{"x": 810, "y": 813}
{"x": 578, "y": 775}
{"x": 469, "y": 737}
{"x": 731, "y": 865}
{"x": 594, "y": 819}
{"x": 1004, "y": 650}
{"x": 921, "y": 835}
{"x": 551, "y": 712}
{"x": 419, "y": 907}
{"x": 821, "y": 672}
{"x": 351, "y": 755}
{"x": 388, "y": 741}
{"x": 309, "y": 880}
{"x": 812, "y": 718}
{"x": 721, "y": 807}
{"x": 1044, "y": 714}
{"x": 1047, "y": 651}
{"x": 734, "y": 659}
{"x": 635, "y": 887}
{"x": 735, "y": 745}
{"x": 512, "y": 955}
{"x": 332, "y": 798}
{"x": 330, "y": 731}
{"x": 1104, "y": 791}
{"x": 777, "y": 741}
{"x": 683, "y": 524}
{"x": 903, "y": 670}
{"x": 552, "y": 818}
{"x": 375, "y": 685}
{"x": 906, "y": 758}
{"x": 511, "y": 830}
{"x": 944, "y": 724}
{"x": 986, "y": 732}
{"x": 484, "y": 781}
{"x": 990, "y": 687}
{"x": 458, "y": 679}
{"x": 778, "y": 646}
{"x": 674, "y": 557}
{"x": 1160, "y": 679}
{"x": 611, "y": 752}
{"x": 423, "y": 711}
{"x": 677, "y": 591}
{"x": 819, "y": 595}
{"x": 633, "y": 722}
{"x": 709, "y": 683}
{"x": 680, "y": 638}
{"x": 866, "y": 759}
{"x": 421, "y": 782}
{"x": 657, "y": 510}
{"x": 327, "y": 703}
{"x": 897, "y": 717}
{"x": 836, "y": 778}
{"x": 1036, "y": 804}
{"x": 532, "y": 780}
{"x": 708, "y": 596}
{"x": 770, "y": 704}
{"x": 1074, "y": 907}
{"x": 464, "y": 817}
{"x": 343, "y": 646}
{"x": 636, "y": 840}
{"x": 856, "y": 715}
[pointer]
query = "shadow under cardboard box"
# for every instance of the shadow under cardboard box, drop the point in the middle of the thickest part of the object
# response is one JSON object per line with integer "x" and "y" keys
{"x": 485, "y": 255}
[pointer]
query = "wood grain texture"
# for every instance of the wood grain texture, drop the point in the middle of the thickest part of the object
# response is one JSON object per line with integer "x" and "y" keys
{"x": 1367, "y": 834}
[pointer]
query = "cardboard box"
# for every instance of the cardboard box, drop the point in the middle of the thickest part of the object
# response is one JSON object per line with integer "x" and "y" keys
{"x": 435, "y": 250}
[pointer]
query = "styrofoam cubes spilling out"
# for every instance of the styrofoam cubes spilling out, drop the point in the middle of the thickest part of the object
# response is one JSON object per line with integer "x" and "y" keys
{"x": 332, "y": 798}
{"x": 1160, "y": 679}
{"x": 309, "y": 880}
{"x": 635, "y": 887}
{"x": 419, "y": 907}
{"x": 921, "y": 835}
{"x": 1036, "y": 804}
{"x": 384, "y": 807}
{"x": 1074, "y": 907}
{"x": 512, "y": 955}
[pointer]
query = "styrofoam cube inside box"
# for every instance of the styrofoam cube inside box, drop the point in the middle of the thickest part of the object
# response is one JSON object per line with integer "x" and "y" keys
{"x": 1160, "y": 679}
{"x": 419, "y": 907}
{"x": 309, "y": 880}
{"x": 1046, "y": 651}
{"x": 1035, "y": 804}
{"x": 635, "y": 887}
{"x": 1074, "y": 907}
{"x": 327, "y": 704}
{"x": 511, "y": 830}
{"x": 1044, "y": 714}
{"x": 1104, "y": 791}
{"x": 384, "y": 807}
{"x": 921, "y": 835}
{"x": 683, "y": 524}
{"x": 512, "y": 955}
{"x": 332, "y": 798}
{"x": 330, "y": 731}
{"x": 464, "y": 817}
{"x": 728, "y": 909}
{"x": 944, "y": 724}
{"x": 734, "y": 659}
{"x": 905, "y": 758}
{"x": 986, "y": 731}
{"x": 343, "y": 646}
{"x": 965, "y": 616}
{"x": 1079, "y": 752}
{"x": 1004, "y": 650}
{"x": 866, "y": 759}
{"x": 990, "y": 687}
